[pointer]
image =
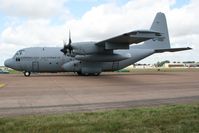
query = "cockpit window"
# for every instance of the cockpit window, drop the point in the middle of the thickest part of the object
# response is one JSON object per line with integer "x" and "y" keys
{"x": 19, "y": 53}
{"x": 15, "y": 55}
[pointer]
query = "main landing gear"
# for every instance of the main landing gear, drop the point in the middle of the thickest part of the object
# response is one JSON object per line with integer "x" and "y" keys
{"x": 88, "y": 74}
{"x": 26, "y": 73}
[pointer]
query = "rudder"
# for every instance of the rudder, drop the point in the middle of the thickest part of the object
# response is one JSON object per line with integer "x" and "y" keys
{"x": 159, "y": 25}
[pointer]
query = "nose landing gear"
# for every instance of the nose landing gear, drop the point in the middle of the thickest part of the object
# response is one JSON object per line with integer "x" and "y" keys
{"x": 26, "y": 73}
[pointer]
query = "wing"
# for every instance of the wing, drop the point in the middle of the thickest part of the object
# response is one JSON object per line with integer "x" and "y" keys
{"x": 123, "y": 41}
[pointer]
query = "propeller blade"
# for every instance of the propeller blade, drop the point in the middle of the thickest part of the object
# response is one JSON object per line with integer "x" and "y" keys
{"x": 69, "y": 42}
{"x": 67, "y": 48}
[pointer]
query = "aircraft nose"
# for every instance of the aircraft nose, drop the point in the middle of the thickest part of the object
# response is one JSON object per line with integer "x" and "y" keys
{"x": 8, "y": 63}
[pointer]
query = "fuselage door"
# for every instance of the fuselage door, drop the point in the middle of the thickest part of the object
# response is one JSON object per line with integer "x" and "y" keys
{"x": 35, "y": 66}
{"x": 115, "y": 65}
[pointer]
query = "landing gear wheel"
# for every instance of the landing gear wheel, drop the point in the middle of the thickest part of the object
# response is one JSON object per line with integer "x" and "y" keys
{"x": 96, "y": 74}
{"x": 88, "y": 74}
{"x": 26, "y": 74}
{"x": 79, "y": 73}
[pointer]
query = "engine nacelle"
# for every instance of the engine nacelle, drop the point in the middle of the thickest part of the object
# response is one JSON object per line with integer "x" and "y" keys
{"x": 86, "y": 48}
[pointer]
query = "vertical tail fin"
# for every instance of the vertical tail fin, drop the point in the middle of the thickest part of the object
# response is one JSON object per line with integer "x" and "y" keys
{"x": 159, "y": 25}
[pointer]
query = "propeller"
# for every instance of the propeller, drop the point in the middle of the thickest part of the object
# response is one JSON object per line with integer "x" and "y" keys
{"x": 67, "y": 48}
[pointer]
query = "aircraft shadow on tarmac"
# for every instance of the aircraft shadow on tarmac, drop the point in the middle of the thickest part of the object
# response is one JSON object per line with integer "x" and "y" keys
{"x": 110, "y": 78}
{"x": 102, "y": 75}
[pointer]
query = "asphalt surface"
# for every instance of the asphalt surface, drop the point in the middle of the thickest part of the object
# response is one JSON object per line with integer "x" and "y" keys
{"x": 59, "y": 93}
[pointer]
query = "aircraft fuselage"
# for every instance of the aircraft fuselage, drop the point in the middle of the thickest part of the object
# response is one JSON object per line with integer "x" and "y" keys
{"x": 50, "y": 59}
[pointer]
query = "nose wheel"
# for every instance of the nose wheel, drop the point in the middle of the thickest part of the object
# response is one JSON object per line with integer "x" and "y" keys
{"x": 26, "y": 74}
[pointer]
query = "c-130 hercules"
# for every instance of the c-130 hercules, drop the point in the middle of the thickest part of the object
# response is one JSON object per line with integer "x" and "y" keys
{"x": 92, "y": 58}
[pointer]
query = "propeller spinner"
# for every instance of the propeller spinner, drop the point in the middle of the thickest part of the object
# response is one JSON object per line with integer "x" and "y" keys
{"x": 67, "y": 48}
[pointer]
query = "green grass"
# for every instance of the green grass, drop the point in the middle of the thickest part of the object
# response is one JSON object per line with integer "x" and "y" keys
{"x": 13, "y": 72}
{"x": 163, "y": 119}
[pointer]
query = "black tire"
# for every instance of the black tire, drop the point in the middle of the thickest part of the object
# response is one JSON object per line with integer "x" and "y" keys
{"x": 96, "y": 74}
{"x": 88, "y": 74}
{"x": 27, "y": 74}
{"x": 80, "y": 73}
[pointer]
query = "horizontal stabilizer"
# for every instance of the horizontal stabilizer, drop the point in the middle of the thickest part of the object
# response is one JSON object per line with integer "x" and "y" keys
{"x": 172, "y": 50}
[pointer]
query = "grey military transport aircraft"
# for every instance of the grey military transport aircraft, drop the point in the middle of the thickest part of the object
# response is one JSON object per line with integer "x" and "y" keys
{"x": 92, "y": 58}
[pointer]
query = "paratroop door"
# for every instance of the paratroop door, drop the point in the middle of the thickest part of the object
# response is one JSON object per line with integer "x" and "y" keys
{"x": 35, "y": 66}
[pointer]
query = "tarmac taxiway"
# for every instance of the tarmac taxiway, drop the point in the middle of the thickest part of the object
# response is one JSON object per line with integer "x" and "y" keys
{"x": 59, "y": 93}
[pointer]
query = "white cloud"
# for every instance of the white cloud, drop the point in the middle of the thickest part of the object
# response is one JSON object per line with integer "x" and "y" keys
{"x": 183, "y": 21}
{"x": 33, "y": 32}
{"x": 7, "y": 51}
{"x": 107, "y": 20}
{"x": 32, "y": 8}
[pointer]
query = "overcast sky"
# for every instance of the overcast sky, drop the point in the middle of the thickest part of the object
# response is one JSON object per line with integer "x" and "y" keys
{"x": 30, "y": 23}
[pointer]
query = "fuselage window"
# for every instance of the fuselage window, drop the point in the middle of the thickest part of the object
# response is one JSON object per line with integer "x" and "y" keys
{"x": 17, "y": 59}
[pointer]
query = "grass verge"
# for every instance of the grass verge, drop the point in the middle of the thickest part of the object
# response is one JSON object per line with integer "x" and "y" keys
{"x": 163, "y": 119}
{"x": 13, "y": 72}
